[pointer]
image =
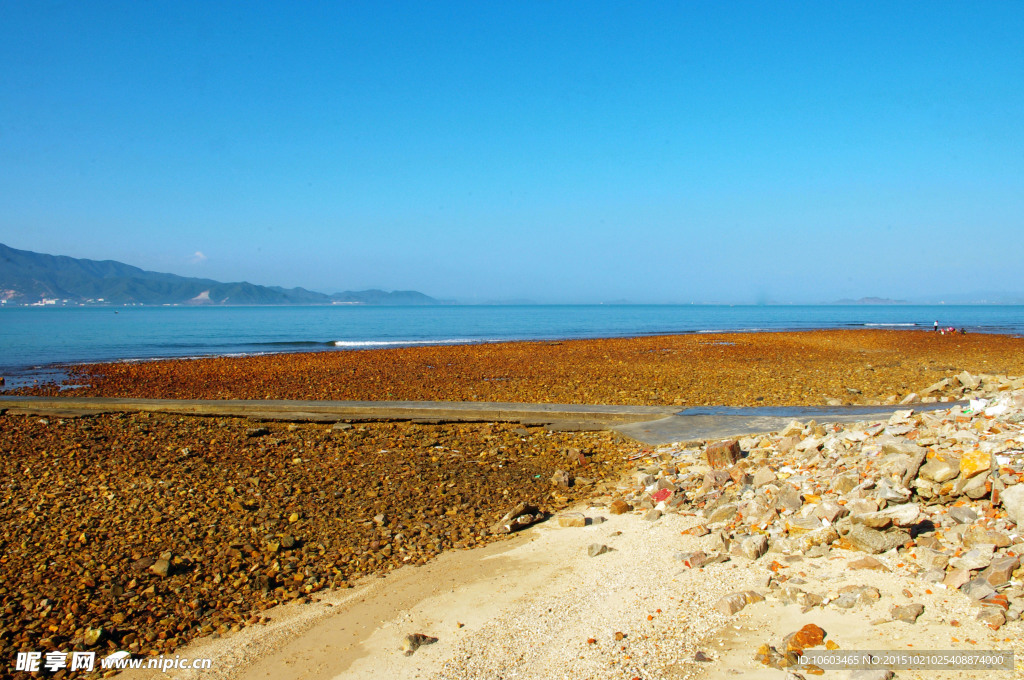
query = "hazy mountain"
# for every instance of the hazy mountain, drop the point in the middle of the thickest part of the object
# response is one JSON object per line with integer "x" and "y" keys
{"x": 871, "y": 301}
{"x": 27, "y": 278}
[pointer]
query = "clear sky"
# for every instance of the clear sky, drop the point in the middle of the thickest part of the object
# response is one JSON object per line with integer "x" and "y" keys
{"x": 553, "y": 151}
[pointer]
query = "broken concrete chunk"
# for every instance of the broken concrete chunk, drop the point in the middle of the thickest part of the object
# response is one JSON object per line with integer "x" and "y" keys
{"x": 871, "y": 541}
{"x": 723, "y": 455}
{"x": 413, "y": 642}
{"x": 940, "y": 469}
{"x": 734, "y": 602}
{"x": 753, "y": 547}
{"x": 1000, "y": 571}
{"x": 907, "y": 612}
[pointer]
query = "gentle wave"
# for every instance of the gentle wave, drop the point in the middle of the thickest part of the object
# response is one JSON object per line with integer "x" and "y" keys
{"x": 406, "y": 343}
{"x": 753, "y": 329}
{"x": 901, "y": 325}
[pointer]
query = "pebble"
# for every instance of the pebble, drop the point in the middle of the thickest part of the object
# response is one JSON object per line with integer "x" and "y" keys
{"x": 572, "y": 519}
{"x": 619, "y": 507}
{"x": 907, "y": 613}
{"x": 410, "y": 643}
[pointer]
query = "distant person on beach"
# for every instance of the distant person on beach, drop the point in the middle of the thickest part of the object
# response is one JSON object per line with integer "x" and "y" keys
{"x": 936, "y": 327}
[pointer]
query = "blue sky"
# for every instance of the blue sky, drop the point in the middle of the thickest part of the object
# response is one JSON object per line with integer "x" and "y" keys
{"x": 559, "y": 152}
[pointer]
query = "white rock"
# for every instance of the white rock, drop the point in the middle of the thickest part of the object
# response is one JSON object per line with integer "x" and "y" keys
{"x": 1013, "y": 503}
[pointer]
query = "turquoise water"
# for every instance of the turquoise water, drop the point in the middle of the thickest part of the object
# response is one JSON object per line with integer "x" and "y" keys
{"x": 31, "y": 338}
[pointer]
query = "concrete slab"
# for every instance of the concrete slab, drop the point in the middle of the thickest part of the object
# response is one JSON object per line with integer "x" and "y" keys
{"x": 653, "y": 425}
{"x": 706, "y": 424}
{"x": 334, "y": 411}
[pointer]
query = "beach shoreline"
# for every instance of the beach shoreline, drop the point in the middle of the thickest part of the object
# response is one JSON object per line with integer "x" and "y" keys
{"x": 805, "y": 368}
{"x": 263, "y": 514}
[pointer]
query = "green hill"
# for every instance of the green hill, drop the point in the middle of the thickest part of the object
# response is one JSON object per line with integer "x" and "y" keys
{"x": 27, "y": 278}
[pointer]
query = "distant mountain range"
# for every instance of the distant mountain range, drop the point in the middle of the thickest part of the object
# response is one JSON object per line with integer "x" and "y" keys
{"x": 871, "y": 301}
{"x": 28, "y": 278}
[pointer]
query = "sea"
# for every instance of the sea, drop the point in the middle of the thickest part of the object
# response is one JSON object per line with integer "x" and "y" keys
{"x": 36, "y": 343}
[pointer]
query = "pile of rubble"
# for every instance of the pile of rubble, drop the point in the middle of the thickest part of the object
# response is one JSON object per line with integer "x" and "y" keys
{"x": 941, "y": 492}
{"x": 961, "y": 386}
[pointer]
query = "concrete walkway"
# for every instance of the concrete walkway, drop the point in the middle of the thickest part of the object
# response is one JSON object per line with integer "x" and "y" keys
{"x": 728, "y": 423}
{"x": 653, "y": 425}
{"x": 582, "y": 415}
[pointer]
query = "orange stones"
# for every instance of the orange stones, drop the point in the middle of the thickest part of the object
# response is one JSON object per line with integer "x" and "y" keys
{"x": 619, "y": 507}
{"x": 974, "y": 462}
{"x": 785, "y": 368}
{"x": 808, "y": 636}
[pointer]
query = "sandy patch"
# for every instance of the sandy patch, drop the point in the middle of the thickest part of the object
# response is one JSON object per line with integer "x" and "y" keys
{"x": 538, "y": 606}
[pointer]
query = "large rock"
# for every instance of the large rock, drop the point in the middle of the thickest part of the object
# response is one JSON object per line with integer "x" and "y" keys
{"x": 968, "y": 380}
{"x": 972, "y": 559}
{"x": 523, "y": 515}
{"x": 890, "y": 492}
{"x": 762, "y": 476}
{"x": 907, "y": 613}
{"x": 802, "y": 525}
{"x": 846, "y": 482}
{"x": 974, "y": 462}
{"x": 974, "y": 487}
{"x": 935, "y": 388}
{"x": 977, "y": 589}
{"x": 734, "y": 602}
{"x": 619, "y": 507}
{"x": 723, "y": 455}
{"x": 992, "y": 617}
{"x": 789, "y": 499}
{"x": 794, "y": 428}
{"x": 940, "y": 469}
{"x": 572, "y": 519}
{"x": 410, "y": 643}
{"x": 1013, "y": 502}
{"x": 962, "y": 514}
{"x": 899, "y": 515}
{"x": 891, "y": 444}
{"x": 871, "y": 541}
{"x": 756, "y": 545}
{"x": 830, "y": 511}
{"x": 161, "y": 567}
{"x": 722, "y": 513}
{"x": 931, "y": 559}
{"x": 977, "y": 535}
{"x": 808, "y": 636}
{"x": 1000, "y": 571}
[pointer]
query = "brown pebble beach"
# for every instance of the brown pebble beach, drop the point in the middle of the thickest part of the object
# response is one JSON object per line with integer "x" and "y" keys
{"x": 732, "y": 369}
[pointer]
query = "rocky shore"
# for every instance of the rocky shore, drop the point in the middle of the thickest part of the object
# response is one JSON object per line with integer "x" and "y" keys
{"x": 937, "y": 497}
{"x": 732, "y": 369}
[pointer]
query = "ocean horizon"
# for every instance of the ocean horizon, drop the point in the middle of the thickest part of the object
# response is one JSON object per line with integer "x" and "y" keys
{"x": 35, "y": 342}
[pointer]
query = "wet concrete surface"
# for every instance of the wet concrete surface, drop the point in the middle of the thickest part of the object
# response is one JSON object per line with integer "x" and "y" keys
{"x": 723, "y": 422}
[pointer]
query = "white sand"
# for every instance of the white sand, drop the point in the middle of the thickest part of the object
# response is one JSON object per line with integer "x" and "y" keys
{"x": 525, "y": 608}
